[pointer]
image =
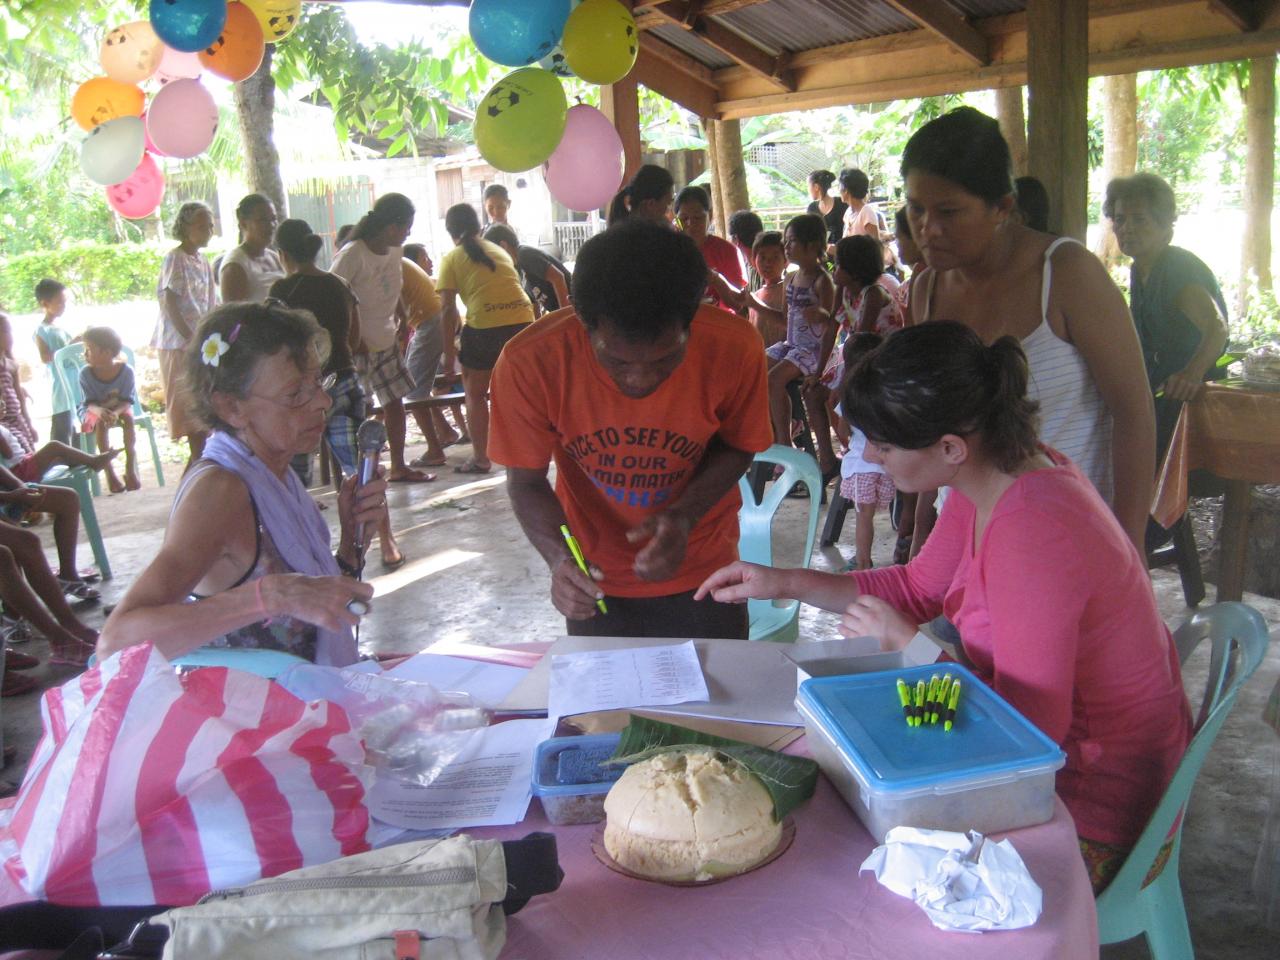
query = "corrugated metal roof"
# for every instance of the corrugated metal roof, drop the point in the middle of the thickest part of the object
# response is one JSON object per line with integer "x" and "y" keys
{"x": 684, "y": 41}
{"x": 796, "y": 25}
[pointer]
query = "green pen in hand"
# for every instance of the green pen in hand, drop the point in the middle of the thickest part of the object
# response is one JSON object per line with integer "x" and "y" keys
{"x": 576, "y": 550}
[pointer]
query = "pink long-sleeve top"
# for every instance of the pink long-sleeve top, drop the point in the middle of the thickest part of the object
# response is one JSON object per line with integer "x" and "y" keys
{"x": 1056, "y": 612}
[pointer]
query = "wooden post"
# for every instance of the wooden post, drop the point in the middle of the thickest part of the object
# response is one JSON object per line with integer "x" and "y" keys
{"x": 732, "y": 171}
{"x": 620, "y": 102}
{"x": 1119, "y": 147}
{"x": 1013, "y": 125}
{"x": 1259, "y": 175}
{"x": 1058, "y": 95}
{"x": 716, "y": 184}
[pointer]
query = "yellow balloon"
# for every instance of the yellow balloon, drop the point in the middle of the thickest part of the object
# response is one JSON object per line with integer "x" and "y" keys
{"x": 601, "y": 41}
{"x": 521, "y": 119}
{"x": 277, "y": 17}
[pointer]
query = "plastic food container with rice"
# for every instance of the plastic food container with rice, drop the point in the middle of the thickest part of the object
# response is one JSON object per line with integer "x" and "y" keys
{"x": 569, "y": 779}
{"x": 993, "y": 771}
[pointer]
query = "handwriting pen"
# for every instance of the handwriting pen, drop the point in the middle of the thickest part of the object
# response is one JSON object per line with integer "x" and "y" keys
{"x": 952, "y": 703}
{"x": 919, "y": 702}
{"x": 944, "y": 691}
{"x": 904, "y": 696}
{"x": 580, "y": 560}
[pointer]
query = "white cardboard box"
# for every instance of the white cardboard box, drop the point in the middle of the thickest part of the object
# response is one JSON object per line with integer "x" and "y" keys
{"x": 834, "y": 658}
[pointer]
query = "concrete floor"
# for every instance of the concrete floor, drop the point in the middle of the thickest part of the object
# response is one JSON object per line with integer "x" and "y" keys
{"x": 472, "y": 575}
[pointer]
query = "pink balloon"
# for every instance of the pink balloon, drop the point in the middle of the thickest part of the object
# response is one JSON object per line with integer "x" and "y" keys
{"x": 178, "y": 65}
{"x": 182, "y": 118}
{"x": 139, "y": 195}
{"x": 147, "y": 143}
{"x": 586, "y": 169}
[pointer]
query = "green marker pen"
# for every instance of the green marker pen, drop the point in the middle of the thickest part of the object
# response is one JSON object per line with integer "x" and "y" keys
{"x": 952, "y": 703}
{"x": 580, "y": 560}
{"x": 931, "y": 698}
{"x": 944, "y": 691}
{"x": 904, "y": 695}
{"x": 919, "y": 702}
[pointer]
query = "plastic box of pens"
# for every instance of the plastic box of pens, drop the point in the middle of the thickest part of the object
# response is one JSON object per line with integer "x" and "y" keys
{"x": 993, "y": 770}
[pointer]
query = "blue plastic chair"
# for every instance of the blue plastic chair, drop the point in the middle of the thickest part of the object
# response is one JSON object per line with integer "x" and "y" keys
{"x": 1127, "y": 908}
{"x": 67, "y": 363}
{"x": 80, "y": 479}
{"x": 265, "y": 663}
{"x": 769, "y": 621}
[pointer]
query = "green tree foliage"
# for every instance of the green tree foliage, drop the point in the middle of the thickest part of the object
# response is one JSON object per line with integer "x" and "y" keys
{"x": 95, "y": 272}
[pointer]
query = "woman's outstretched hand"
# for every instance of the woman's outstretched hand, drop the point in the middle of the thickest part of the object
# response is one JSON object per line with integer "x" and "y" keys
{"x": 871, "y": 617}
{"x": 741, "y": 581}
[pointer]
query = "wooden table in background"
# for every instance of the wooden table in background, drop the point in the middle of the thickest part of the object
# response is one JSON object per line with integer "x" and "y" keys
{"x": 1231, "y": 430}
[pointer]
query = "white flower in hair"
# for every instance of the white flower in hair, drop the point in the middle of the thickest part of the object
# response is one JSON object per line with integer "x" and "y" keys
{"x": 213, "y": 349}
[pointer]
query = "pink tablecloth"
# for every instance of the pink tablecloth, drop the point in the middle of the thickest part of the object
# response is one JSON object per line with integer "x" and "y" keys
{"x": 809, "y": 904}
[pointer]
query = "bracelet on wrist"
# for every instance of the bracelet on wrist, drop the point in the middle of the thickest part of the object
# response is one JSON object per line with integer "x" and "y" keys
{"x": 348, "y": 570}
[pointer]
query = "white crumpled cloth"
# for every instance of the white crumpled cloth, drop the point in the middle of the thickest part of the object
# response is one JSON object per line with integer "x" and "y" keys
{"x": 961, "y": 880}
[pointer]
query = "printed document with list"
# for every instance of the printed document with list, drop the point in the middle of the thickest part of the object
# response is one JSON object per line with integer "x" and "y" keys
{"x": 635, "y": 677}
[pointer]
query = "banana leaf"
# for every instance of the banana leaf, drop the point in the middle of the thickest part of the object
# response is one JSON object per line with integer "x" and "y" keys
{"x": 790, "y": 780}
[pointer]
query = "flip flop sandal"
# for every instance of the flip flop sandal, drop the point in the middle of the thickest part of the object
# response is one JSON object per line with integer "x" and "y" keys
{"x": 16, "y": 684}
{"x": 79, "y": 591}
{"x": 421, "y": 462}
{"x": 472, "y": 467}
{"x": 414, "y": 477}
{"x": 394, "y": 564}
{"x": 13, "y": 660}
{"x": 71, "y": 659}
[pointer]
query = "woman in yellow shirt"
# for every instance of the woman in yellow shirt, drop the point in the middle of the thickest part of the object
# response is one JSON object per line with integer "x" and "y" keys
{"x": 497, "y": 308}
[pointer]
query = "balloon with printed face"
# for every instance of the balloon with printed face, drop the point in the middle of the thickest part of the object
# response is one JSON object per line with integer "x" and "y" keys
{"x": 101, "y": 99}
{"x": 178, "y": 65}
{"x": 182, "y": 118}
{"x": 276, "y": 17}
{"x": 521, "y": 119}
{"x": 586, "y": 169}
{"x": 601, "y": 41}
{"x": 238, "y": 51}
{"x": 113, "y": 150}
{"x": 140, "y": 194}
{"x": 517, "y": 32}
{"x": 555, "y": 61}
{"x": 131, "y": 53}
{"x": 188, "y": 25}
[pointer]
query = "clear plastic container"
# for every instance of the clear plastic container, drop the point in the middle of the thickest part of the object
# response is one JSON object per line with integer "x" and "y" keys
{"x": 569, "y": 780}
{"x": 993, "y": 771}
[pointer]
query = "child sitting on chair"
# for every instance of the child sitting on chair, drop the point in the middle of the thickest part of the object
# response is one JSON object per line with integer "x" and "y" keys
{"x": 810, "y": 297}
{"x": 864, "y": 483}
{"x": 107, "y": 393}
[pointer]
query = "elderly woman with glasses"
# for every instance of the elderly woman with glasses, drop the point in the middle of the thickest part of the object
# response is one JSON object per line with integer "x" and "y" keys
{"x": 246, "y": 559}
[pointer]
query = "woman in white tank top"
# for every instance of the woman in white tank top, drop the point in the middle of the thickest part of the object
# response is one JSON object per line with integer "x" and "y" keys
{"x": 999, "y": 277}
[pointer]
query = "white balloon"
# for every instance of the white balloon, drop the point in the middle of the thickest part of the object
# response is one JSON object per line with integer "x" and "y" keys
{"x": 113, "y": 150}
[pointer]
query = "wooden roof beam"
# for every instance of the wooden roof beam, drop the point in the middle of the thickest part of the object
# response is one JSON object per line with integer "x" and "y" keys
{"x": 678, "y": 77}
{"x": 941, "y": 18}
{"x": 655, "y": 12}
{"x": 1245, "y": 15}
{"x": 692, "y": 15}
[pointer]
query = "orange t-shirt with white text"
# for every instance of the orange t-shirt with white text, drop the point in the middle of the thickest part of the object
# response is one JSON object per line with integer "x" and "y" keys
{"x": 619, "y": 459}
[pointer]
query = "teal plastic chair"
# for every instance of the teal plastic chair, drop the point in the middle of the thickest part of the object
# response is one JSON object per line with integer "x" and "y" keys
{"x": 80, "y": 479}
{"x": 265, "y": 663}
{"x": 1126, "y": 908}
{"x": 769, "y": 621}
{"x": 66, "y": 365}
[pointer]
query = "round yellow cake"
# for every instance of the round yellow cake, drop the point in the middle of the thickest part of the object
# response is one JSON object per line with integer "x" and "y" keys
{"x": 689, "y": 815}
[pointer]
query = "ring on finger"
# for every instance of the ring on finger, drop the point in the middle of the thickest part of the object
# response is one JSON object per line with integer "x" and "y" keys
{"x": 358, "y": 607}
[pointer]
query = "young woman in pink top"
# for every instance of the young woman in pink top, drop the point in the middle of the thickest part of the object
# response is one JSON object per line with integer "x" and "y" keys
{"x": 1052, "y": 601}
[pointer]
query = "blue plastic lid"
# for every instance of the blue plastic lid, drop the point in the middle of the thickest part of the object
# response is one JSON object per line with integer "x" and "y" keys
{"x": 862, "y": 717}
{"x": 570, "y": 766}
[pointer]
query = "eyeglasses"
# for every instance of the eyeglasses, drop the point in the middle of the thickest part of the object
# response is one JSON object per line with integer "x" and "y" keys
{"x": 299, "y": 397}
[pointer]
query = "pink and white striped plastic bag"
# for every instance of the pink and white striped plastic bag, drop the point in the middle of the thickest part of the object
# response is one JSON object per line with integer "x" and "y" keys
{"x": 149, "y": 787}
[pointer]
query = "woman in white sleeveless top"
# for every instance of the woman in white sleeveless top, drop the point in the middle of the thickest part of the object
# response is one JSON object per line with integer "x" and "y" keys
{"x": 999, "y": 277}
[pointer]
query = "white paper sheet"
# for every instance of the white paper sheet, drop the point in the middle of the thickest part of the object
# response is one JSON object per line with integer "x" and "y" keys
{"x": 487, "y": 682}
{"x": 613, "y": 679}
{"x": 487, "y": 785}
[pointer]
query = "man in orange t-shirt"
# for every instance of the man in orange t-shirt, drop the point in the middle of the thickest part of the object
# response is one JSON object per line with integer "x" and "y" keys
{"x": 651, "y": 407}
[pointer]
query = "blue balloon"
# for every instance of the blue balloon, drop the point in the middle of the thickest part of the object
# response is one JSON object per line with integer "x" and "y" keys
{"x": 188, "y": 25}
{"x": 517, "y": 32}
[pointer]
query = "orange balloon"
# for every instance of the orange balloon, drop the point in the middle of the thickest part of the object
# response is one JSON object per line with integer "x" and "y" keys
{"x": 238, "y": 50}
{"x": 101, "y": 99}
